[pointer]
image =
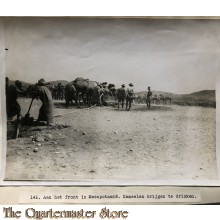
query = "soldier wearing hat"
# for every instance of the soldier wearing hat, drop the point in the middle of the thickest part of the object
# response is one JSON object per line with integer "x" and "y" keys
{"x": 149, "y": 94}
{"x": 129, "y": 96}
{"x": 46, "y": 110}
{"x": 121, "y": 95}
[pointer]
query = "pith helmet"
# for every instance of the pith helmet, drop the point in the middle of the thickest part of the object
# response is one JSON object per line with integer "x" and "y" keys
{"x": 131, "y": 84}
{"x": 41, "y": 82}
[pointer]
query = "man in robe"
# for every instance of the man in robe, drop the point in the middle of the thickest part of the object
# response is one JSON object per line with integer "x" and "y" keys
{"x": 46, "y": 110}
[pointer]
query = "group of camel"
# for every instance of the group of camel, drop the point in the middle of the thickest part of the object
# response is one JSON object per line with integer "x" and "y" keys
{"x": 87, "y": 91}
{"x": 156, "y": 99}
{"x": 160, "y": 99}
{"x": 94, "y": 93}
{"x": 90, "y": 93}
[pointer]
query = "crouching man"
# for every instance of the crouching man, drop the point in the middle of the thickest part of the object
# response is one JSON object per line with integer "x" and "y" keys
{"x": 12, "y": 93}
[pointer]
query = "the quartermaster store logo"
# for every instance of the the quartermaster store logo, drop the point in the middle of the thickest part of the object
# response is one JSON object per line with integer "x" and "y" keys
{"x": 32, "y": 213}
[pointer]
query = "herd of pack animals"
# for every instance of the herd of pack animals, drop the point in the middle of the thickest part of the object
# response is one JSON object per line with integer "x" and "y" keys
{"x": 91, "y": 93}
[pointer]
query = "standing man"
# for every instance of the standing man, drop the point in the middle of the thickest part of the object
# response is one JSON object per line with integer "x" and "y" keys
{"x": 149, "y": 94}
{"x": 129, "y": 96}
{"x": 46, "y": 110}
{"x": 121, "y": 95}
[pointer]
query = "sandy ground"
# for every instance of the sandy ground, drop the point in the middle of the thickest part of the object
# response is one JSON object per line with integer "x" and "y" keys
{"x": 165, "y": 142}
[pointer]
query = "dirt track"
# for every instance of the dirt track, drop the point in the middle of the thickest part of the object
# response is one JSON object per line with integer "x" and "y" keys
{"x": 165, "y": 142}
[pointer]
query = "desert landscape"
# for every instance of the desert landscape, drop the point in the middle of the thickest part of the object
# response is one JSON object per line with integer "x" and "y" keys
{"x": 164, "y": 142}
{"x": 174, "y": 63}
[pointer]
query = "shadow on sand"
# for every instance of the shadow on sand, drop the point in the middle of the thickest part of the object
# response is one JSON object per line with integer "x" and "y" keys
{"x": 152, "y": 108}
{"x": 144, "y": 108}
{"x": 113, "y": 106}
{"x": 63, "y": 105}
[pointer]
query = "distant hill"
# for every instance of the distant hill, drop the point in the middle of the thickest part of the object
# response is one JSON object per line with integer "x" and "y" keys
{"x": 204, "y": 94}
{"x": 202, "y": 98}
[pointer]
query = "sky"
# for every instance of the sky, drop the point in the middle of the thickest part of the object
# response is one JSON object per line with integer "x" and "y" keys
{"x": 179, "y": 56}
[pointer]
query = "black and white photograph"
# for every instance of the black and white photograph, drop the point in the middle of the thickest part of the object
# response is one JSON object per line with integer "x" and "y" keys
{"x": 110, "y": 99}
